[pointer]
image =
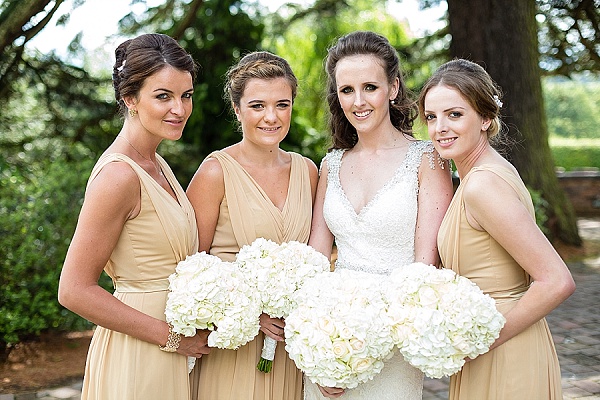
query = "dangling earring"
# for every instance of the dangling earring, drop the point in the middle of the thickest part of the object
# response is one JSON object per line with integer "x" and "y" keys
{"x": 132, "y": 112}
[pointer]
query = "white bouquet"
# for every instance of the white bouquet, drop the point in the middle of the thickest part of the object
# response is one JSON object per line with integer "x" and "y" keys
{"x": 439, "y": 318}
{"x": 207, "y": 293}
{"x": 339, "y": 335}
{"x": 277, "y": 272}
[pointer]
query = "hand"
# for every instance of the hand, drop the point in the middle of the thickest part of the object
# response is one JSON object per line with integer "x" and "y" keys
{"x": 330, "y": 392}
{"x": 196, "y": 345}
{"x": 272, "y": 327}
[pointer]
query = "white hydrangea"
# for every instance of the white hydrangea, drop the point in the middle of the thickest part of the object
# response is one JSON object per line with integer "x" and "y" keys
{"x": 339, "y": 335}
{"x": 439, "y": 318}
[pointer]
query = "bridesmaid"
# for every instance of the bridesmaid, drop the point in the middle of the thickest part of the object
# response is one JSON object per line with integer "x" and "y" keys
{"x": 249, "y": 190}
{"x": 137, "y": 224}
{"x": 490, "y": 236}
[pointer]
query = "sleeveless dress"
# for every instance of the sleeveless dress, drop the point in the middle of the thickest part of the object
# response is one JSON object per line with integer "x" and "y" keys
{"x": 378, "y": 239}
{"x": 119, "y": 366}
{"x": 526, "y": 366}
{"x": 246, "y": 213}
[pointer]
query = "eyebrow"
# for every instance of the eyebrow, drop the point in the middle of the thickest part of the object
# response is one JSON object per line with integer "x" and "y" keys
{"x": 263, "y": 101}
{"x": 170, "y": 91}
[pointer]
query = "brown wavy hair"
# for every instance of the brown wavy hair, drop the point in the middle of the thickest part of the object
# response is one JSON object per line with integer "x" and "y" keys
{"x": 404, "y": 110}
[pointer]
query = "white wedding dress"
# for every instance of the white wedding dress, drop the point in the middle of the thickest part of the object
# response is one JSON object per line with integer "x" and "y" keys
{"x": 376, "y": 240}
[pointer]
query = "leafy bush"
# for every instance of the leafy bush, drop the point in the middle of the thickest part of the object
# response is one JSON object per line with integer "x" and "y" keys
{"x": 39, "y": 205}
{"x": 572, "y": 154}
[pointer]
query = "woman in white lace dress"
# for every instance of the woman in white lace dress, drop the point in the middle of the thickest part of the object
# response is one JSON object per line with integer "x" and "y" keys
{"x": 382, "y": 194}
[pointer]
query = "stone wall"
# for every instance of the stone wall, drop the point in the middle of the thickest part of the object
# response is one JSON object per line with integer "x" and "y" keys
{"x": 583, "y": 189}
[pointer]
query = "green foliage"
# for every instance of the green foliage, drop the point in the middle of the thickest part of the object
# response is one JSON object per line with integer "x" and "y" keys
{"x": 540, "y": 206}
{"x": 572, "y": 108}
{"x": 572, "y": 154}
{"x": 39, "y": 202}
{"x": 304, "y": 43}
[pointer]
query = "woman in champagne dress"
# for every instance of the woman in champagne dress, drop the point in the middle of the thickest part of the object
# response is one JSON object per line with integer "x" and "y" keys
{"x": 490, "y": 236}
{"x": 249, "y": 190}
{"x": 137, "y": 224}
{"x": 382, "y": 193}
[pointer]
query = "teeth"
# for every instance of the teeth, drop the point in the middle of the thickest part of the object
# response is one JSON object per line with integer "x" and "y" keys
{"x": 362, "y": 114}
{"x": 444, "y": 141}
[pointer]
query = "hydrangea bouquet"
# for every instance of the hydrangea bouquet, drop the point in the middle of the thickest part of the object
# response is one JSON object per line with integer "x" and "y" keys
{"x": 276, "y": 272}
{"x": 340, "y": 333}
{"x": 439, "y": 318}
{"x": 207, "y": 293}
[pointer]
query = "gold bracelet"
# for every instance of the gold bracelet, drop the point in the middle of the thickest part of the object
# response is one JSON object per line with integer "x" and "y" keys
{"x": 172, "y": 341}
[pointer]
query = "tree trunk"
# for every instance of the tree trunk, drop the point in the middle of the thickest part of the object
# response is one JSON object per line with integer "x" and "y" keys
{"x": 501, "y": 36}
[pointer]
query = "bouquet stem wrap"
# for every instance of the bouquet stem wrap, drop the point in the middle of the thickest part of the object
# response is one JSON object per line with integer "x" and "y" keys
{"x": 277, "y": 272}
{"x": 267, "y": 355}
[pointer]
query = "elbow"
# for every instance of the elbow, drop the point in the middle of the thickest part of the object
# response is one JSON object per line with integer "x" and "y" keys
{"x": 66, "y": 297}
{"x": 568, "y": 287}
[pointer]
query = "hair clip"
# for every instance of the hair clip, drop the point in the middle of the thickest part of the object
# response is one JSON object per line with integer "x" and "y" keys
{"x": 497, "y": 101}
{"x": 121, "y": 67}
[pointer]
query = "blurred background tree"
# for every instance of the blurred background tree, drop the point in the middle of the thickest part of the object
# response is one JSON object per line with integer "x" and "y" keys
{"x": 58, "y": 111}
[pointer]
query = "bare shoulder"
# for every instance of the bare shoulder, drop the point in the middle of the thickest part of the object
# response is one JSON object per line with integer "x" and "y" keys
{"x": 116, "y": 178}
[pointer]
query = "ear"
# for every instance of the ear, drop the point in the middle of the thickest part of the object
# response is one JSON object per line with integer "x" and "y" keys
{"x": 129, "y": 101}
{"x": 485, "y": 124}
{"x": 394, "y": 88}
{"x": 236, "y": 109}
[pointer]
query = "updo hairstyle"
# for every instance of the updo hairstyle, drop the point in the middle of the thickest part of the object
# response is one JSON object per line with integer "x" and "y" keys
{"x": 139, "y": 58}
{"x": 474, "y": 84}
{"x": 259, "y": 65}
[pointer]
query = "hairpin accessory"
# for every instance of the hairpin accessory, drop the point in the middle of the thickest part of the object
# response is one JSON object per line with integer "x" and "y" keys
{"x": 121, "y": 67}
{"x": 497, "y": 101}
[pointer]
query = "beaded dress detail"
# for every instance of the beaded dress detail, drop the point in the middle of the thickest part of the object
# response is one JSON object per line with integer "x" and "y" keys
{"x": 377, "y": 239}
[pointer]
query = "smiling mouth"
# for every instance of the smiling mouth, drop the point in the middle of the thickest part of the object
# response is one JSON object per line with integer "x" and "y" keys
{"x": 270, "y": 129}
{"x": 446, "y": 141}
{"x": 362, "y": 113}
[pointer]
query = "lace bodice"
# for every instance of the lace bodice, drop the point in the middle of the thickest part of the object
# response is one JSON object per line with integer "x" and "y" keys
{"x": 381, "y": 236}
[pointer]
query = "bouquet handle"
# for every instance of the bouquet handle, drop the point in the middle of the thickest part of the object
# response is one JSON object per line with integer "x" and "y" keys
{"x": 267, "y": 355}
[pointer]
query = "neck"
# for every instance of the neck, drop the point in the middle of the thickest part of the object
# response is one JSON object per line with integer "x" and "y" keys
{"x": 380, "y": 140}
{"x": 252, "y": 154}
{"x": 476, "y": 157}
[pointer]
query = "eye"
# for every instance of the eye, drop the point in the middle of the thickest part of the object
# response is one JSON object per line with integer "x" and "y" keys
{"x": 256, "y": 106}
{"x": 455, "y": 114}
{"x": 162, "y": 96}
{"x": 429, "y": 117}
{"x": 370, "y": 87}
{"x": 346, "y": 90}
{"x": 283, "y": 105}
{"x": 187, "y": 95}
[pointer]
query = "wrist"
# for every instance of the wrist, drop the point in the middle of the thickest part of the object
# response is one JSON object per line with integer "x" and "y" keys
{"x": 173, "y": 341}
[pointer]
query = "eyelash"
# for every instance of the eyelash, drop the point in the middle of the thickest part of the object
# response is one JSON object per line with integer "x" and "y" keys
{"x": 164, "y": 96}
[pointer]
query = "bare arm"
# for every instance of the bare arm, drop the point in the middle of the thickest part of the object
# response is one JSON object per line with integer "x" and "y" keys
{"x": 320, "y": 236}
{"x": 499, "y": 212}
{"x": 206, "y": 191}
{"x": 435, "y": 194}
{"x": 112, "y": 198}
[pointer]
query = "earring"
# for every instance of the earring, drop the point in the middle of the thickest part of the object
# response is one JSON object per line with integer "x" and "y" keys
{"x": 132, "y": 112}
{"x": 392, "y": 102}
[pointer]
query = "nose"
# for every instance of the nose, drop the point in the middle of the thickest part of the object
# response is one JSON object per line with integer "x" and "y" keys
{"x": 358, "y": 98}
{"x": 440, "y": 125}
{"x": 270, "y": 115}
{"x": 177, "y": 107}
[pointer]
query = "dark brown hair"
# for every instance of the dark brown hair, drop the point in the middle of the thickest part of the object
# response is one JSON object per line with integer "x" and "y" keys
{"x": 137, "y": 59}
{"x": 402, "y": 113}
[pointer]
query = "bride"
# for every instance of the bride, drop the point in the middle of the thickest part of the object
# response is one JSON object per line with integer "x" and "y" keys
{"x": 382, "y": 193}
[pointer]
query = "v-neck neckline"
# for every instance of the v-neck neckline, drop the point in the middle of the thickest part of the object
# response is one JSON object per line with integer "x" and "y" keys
{"x": 379, "y": 192}
{"x": 262, "y": 191}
